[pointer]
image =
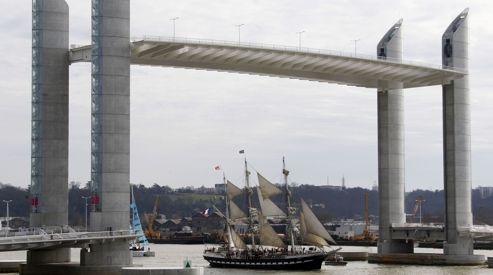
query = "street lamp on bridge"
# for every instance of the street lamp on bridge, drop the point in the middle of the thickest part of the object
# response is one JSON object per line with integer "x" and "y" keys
{"x": 7, "y": 218}
{"x": 174, "y": 22}
{"x": 419, "y": 201}
{"x": 355, "y": 44}
{"x": 86, "y": 198}
{"x": 239, "y": 32}
{"x": 299, "y": 38}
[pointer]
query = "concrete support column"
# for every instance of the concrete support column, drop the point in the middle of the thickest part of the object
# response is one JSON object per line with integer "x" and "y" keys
{"x": 457, "y": 141}
{"x": 50, "y": 111}
{"x": 110, "y": 129}
{"x": 391, "y": 149}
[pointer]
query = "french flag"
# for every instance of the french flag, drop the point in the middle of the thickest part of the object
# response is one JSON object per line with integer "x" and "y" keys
{"x": 206, "y": 212}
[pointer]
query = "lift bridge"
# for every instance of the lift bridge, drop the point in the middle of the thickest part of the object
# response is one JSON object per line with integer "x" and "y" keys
{"x": 112, "y": 52}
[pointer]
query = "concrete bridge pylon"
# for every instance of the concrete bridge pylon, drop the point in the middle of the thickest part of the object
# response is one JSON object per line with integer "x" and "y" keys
{"x": 50, "y": 114}
{"x": 390, "y": 112}
{"x": 457, "y": 141}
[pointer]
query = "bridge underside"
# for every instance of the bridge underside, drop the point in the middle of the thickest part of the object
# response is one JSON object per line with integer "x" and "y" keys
{"x": 281, "y": 62}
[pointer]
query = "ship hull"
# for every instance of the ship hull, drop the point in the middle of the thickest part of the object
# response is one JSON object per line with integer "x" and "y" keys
{"x": 294, "y": 262}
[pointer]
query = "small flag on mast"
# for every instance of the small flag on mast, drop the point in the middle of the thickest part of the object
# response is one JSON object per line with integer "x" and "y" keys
{"x": 217, "y": 168}
{"x": 241, "y": 151}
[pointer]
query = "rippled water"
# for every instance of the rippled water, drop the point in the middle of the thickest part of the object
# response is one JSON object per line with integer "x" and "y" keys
{"x": 174, "y": 255}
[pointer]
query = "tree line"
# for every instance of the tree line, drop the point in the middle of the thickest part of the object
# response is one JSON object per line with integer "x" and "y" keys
{"x": 327, "y": 203}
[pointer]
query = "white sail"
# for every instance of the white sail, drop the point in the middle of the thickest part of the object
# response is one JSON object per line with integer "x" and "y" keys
{"x": 314, "y": 240}
{"x": 267, "y": 188}
{"x": 308, "y": 237}
{"x": 313, "y": 225}
{"x": 236, "y": 239}
{"x": 267, "y": 234}
{"x": 235, "y": 212}
{"x": 233, "y": 239}
{"x": 268, "y": 207}
{"x": 232, "y": 190}
{"x": 302, "y": 224}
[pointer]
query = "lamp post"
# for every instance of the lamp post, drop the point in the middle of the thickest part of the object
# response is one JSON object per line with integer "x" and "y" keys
{"x": 355, "y": 43}
{"x": 174, "y": 22}
{"x": 299, "y": 38}
{"x": 7, "y": 218}
{"x": 420, "y": 201}
{"x": 86, "y": 198}
{"x": 239, "y": 32}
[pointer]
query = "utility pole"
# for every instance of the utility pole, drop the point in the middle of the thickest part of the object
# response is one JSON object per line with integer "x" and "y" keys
{"x": 7, "y": 218}
{"x": 86, "y": 198}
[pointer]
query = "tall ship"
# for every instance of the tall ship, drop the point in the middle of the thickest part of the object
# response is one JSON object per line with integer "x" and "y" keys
{"x": 266, "y": 249}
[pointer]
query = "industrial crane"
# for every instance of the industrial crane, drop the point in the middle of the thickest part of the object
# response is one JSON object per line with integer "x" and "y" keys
{"x": 366, "y": 235}
{"x": 150, "y": 218}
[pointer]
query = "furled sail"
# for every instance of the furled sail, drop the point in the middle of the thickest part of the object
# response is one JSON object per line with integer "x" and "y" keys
{"x": 267, "y": 234}
{"x": 268, "y": 207}
{"x": 313, "y": 226}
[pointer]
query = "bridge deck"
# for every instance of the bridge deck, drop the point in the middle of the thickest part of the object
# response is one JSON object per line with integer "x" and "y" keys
{"x": 32, "y": 240}
{"x": 281, "y": 61}
{"x": 435, "y": 232}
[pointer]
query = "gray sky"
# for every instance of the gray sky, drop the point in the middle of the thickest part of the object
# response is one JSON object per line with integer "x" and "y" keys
{"x": 184, "y": 122}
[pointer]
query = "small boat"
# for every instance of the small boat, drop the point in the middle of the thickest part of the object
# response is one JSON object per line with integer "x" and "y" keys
{"x": 140, "y": 246}
{"x": 336, "y": 260}
{"x": 270, "y": 252}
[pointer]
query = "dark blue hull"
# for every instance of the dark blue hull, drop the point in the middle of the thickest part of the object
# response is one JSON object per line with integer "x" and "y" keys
{"x": 295, "y": 262}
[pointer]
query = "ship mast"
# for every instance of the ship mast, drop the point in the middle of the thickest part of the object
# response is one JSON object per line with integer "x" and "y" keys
{"x": 290, "y": 210}
{"x": 251, "y": 211}
{"x": 228, "y": 227}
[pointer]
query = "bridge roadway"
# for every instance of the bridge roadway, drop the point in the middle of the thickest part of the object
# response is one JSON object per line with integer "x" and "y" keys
{"x": 436, "y": 232}
{"x": 37, "y": 238}
{"x": 280, "y": 61}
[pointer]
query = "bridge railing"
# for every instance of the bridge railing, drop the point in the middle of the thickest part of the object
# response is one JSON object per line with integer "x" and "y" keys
{"x": 288, "y": 48}
{"x": 42, "y": 234}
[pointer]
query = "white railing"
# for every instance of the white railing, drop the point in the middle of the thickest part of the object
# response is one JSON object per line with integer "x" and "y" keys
{"x": 65, "y": 233}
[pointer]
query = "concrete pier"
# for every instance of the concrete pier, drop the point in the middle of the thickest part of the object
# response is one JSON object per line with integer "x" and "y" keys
{"x": 10, "y": 266}
{"x": 50, "y": 111}
{"x": 162, "y": 271}
{"x": 426, "y": 259}
{"x": 391, "y": 148}
{"x": 110, "y": 130}
{"x": 457, "y": 141}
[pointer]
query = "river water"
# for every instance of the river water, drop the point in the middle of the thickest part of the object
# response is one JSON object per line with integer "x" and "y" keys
{"x": 174, "y": 255}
